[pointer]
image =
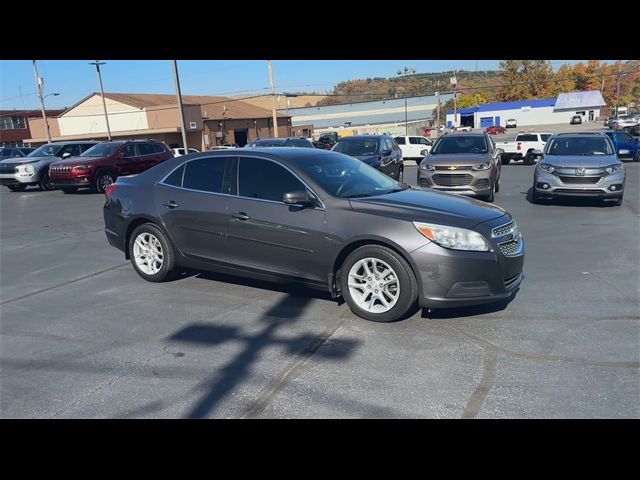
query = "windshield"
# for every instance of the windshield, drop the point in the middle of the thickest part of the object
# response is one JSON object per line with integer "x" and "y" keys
{"x": 101, "y": 150}
{"x": 357, "y": 146}
{"x": 48, "y": 150}
{"x": 459, "y": 144}
{"x": 346, "y": 177}
{"x": 579, "y": 146}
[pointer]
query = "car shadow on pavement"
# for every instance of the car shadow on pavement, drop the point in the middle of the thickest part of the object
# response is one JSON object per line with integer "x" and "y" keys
{"x": 443, "y": 313}
{"x": 238, "y": 369}
{"x": 570, "y": 201}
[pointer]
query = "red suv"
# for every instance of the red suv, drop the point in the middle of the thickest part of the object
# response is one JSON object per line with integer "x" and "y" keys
{"x": 495, "y": 129}
{"x": 103, "y": 163}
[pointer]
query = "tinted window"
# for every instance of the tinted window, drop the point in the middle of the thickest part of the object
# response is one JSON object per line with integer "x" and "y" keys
{"x": 129, "y": 150}
{"x": 145, "y": 149}
{"x": 388, "y": 144}
{"x": 583, "y": 145}
{"x": 423, "y": 141}
{"x": 175, "y": 178}
{"x": 267, "y": 143}
{"x": 5, "y": 152}
{"x": 205, "y": 174}
{"x": 625, "y": 137}
{"x": 545, "y": 136}
{"x": 74, "y": 150}
{"x": 301, "y": 143}
{"x": 459, "y": 144}
{"x": 157, "y": 148}
{"x": 101, "y": 150}
{"x": 414, "y": 140}
{"x": 527, "y": 138}
{"x": 357, "y": 146}
{"x": 400, "y": 140}
{"x": 47, "y": 150}
{"x": 266, "y": 180}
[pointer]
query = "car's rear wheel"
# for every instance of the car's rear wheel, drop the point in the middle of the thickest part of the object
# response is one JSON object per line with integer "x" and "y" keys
{"x": 102, "y": 180}
{"x": 378, "y": 284}
{"x": 17, "y": 188}
{"x": 45, "y": 181}
{"x": 151, "y": 254}
{"x": 636, "y": 157}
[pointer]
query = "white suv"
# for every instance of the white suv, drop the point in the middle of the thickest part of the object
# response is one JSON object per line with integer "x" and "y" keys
{"x": 413, "y": 146}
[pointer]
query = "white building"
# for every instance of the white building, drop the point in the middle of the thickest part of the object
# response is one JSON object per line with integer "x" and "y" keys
{"x": 532, "y": 112}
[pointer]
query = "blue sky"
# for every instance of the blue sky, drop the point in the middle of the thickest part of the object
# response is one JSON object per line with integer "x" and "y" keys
{"x": 74, "y": 79}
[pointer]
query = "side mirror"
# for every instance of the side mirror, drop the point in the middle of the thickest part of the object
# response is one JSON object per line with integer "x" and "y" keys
{"x": 299, "y": 197}
{"x": 385, "y": 153}
{"x": 66, "y": 155}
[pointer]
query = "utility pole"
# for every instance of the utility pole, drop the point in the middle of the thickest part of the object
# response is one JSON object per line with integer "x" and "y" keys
{"x": 97, "y": 64}
{"x": 454, "y": 81}
{"x": 273, "y": 95}
{"x": 406, "y": 124}
{"x": 179, "y": 98}
{"x": 39, "y": 89}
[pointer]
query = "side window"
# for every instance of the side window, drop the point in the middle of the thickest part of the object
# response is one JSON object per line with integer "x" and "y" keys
{"x": 266, "y": 180}
{"x": 5, "y": 152}
{"x": 16, "y": 153}
{"x": 74, "y": 150}
{"x": 175, "y": 179}
{"x": 414, "y": 140}
{"x": 145, "y": 149}
{"x": 423, "y": 141}
{"x": 625, "y": 137}
{"x": 129, "y": 150}
{"x": 85, "y": 146}
{"x": 545, "y": 136}
{"x": 388, "y": 144}
{"x": 205, "y": 174}
{"x": 157, "y": 148}
{"x": 400, "y": 140}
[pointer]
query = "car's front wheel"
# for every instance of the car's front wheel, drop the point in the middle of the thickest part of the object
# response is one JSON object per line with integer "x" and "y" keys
{"x": 151, "y": 254}
{"x": 102, "y": 180}
{"x": 378, "y": 284}
{"x": 636, "y": 157}
{"x": 45, "y": 182}
{"x": 492, "y": 195}
{"x": 401, "y": 174}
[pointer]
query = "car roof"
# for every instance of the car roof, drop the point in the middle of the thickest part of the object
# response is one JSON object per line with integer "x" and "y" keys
{"x": 72, "y": 142}
{"x": 579, "y": 134}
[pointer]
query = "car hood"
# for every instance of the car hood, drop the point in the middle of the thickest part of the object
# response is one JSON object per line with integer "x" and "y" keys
{"x": 576, "y": 161}
{"x": 427, "y": 205}
{"x": 71, "y": 161}
{"x": 458, "y": 159}
{"x": 368, "y": 159}
{"x": 28, "y": 159}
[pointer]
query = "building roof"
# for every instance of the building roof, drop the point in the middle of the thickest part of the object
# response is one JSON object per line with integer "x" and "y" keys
{"x": 30, "y": 113}
{"x": 591, "y": 98}
{"x": 213, "y": 107}
{"x": 492, "y": 107}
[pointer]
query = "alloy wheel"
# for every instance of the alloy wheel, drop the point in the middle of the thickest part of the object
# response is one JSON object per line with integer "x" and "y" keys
{"x": 147, "y": 253}
{"x": 373, "y": 285}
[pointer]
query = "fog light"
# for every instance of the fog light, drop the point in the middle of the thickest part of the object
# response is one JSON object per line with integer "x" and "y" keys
{"x": 612, "y": 187}
{"x": 616, "y": 187}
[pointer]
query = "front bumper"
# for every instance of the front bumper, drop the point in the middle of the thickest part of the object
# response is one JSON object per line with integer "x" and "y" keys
{"x": 456, "y": 278}
{"x": 464, "y": 182}
{"x": 607, "y": 186}
{"x": 17, "y": 179}
{"x": 68, "y": 180}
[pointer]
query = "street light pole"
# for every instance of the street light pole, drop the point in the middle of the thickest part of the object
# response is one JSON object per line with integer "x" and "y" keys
{"x": 273, "y": 95}
{"x": 97, "y": 64}
{"x": 179, "y": 98}
{"x": 438, "y": 115}
{"x": 39, "y": 89}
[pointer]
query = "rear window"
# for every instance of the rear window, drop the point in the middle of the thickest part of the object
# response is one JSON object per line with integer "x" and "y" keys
{"x": 400, "y": 140}
{"x": 527, "y": 138}
{"x": 175, "y": 179}
{"x": 157, "y": 148}
{"x": 145, "y": 149}
{"x": 545, "y": 136}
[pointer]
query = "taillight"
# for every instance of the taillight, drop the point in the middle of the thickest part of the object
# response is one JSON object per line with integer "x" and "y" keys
{"x": 108, "y": 190}
{"x": 518, "y": 146}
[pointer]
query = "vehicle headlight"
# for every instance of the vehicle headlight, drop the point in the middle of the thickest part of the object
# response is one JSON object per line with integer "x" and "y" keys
{"x": 545, "y": 167}
{"x": 424, "y": 152}
{"x": 82, "y": 168}
{"x": 613, "y": 168}
{"x": 25, "y": 170}
{"x": 425, "y": 166}
{"x": 453, "y": 237}
{"x": 482, "y": 166}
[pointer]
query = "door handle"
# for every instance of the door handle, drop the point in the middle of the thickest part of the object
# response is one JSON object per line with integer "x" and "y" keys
{"x": 240, "y": 216}
{"x": 170, "y": 204}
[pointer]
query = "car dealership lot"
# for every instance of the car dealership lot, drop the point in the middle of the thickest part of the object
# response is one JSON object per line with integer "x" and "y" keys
{"x": 83, "y": 336}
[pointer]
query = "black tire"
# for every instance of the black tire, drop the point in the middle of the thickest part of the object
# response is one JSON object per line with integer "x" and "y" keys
{"x": 17, "y": 188}
{"x": 418, "y": 161}
{"x": 69, "y": 189}
{"x": 491, "y": 197}
{"x": 406, "y": 279}
{"x": 102, "y": 180}
{"x": 498, "y": 184}
{"x": 535, "y": 198}
{"x": 401, "y": 175}
{"x": 528, "y": 159}
{"x": 168, "y": 255}
{"x": 636, "y": 157}
{"x": 45, "y": 182}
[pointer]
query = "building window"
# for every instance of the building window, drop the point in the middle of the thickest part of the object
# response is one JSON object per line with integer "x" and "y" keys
{"x": 12, "y": 122}
{"x": 19, "y": 143}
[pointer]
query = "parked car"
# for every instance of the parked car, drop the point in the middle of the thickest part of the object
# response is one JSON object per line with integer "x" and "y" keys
{"x": 300, "y": 142}
{"x": 461, "y": 128}
{"x": 635, "y": 131}
{"x": 104, "y": 163}
{"x": 511, "y": 123}
{"x": 15, "y": 152}
{"x": 622, "y": 123}
{"x": 342, "y": 227}
{"x": 180, "y": 151}
{"x": 625, "y": 145}
{"x": 224, "y": 146}
{"x": 576, "y": 120}
{"x": 579, "y": 165}
{"x": 413, "y": 147}
{"x": 427, "y": 131}
{"x": 379, "y": 151}
{"x": 465, "y": 163}
{"x": 18, "y": 173}
{"x": 495, "y": 130}
{"x": 522, "y": 146}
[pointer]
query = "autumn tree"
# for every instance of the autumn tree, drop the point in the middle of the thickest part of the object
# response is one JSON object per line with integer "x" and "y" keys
{"x": 471, "y": 100}
{"x": 563, "y": 81}
{"x": 524, "y": 79}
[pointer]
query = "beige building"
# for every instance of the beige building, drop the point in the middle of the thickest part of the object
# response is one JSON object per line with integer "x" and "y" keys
{"x": 209, "y": 120}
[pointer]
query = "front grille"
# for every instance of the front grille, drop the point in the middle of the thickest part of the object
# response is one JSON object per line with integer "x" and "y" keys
{"x": 574, "y": 180}
{"x": 511, "y": 248}
{"x": 7, "y": 168}
{"x": 578, "y": 190}
{"x": 502, "y": 230}
{"x": 510, "y": 282}
{"x": 59, "y": 169}
{"x": 446, "y": 167}
{"x": 451, "y": 180}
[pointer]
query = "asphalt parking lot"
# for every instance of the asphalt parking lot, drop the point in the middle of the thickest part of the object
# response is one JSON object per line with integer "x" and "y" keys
{"x": 83, "y": 336}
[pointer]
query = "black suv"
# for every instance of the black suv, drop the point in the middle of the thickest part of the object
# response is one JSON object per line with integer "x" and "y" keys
{"x": 281, "y": 142}
{"x": 379, "y": 151}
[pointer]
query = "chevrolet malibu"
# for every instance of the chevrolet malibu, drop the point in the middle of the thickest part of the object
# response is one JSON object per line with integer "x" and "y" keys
{"x": 318, "y": 217}
{"x": 579, "y": 165}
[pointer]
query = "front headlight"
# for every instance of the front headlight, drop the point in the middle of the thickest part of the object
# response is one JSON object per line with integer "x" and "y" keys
{"x": 613, "y": 168}
{"x": 25, "y": 170}
{"x": 82, "y": 168}
{"x": 424, "y": 152}
{"x": 425, "y": 166}
{"x": 482, "y": 166}
{"x": 545, "y": 167}
{"x": 453, "y": 237}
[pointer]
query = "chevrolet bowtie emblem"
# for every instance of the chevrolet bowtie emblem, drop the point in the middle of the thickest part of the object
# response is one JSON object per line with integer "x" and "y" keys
{"x": 452, "y": 167}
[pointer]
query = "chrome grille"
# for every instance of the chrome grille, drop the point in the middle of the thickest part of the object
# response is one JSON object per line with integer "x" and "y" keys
{"x": 574, "y": 180}
{"x": 451, "y": 180}
{"x": 511, "y": 248}
{"x": 59, "y": 169}
{"x": 448, "y": 167}
{"x": 502, "y": 230}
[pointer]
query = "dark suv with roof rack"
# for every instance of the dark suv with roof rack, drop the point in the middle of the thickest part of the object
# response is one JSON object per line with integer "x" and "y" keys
{"x": 103, "y": 163}
{"x": 281, "y": 142}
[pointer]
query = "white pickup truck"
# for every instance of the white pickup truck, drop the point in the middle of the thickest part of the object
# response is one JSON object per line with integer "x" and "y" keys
{"x": 522, "y": 146}
{"x": 413, "y": 146}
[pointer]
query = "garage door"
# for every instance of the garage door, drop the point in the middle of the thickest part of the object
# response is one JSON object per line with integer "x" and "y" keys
{"x": 486, "y": 122}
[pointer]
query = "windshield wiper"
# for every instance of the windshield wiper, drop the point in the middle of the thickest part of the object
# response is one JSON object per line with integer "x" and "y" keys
{"x": 360, "y": 195}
